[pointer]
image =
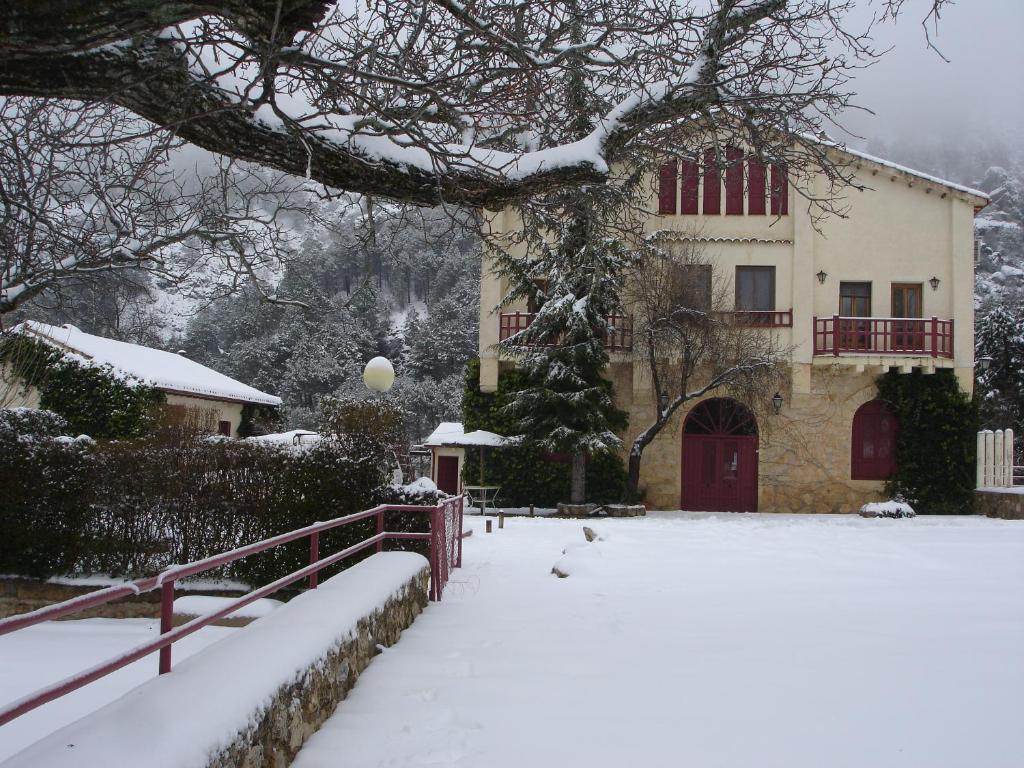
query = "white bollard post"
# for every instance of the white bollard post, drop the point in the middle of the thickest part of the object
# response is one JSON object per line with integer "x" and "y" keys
{"x": 980, "y": 479}
{"x": 997, "y": 455}
{"x": 989, "y": 456}
{"x": 1008, "y": 457}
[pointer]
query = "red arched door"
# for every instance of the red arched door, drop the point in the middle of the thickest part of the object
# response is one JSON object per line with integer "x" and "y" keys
{"x": 720, "y": 458}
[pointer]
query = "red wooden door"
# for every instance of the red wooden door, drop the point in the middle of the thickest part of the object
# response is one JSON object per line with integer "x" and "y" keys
{"x": 448, "y": 474}
{"x": 720, "y": 473}
{"x": 719, "y": 470}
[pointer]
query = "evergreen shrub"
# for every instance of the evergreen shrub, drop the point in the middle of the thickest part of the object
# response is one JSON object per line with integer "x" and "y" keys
{"x": 936, "y": 442}
{"x": 527, "y": 473}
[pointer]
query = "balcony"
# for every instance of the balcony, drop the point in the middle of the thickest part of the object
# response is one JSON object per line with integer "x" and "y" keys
{"x": 620, "y": 339}
{"x": 894, "y": 336}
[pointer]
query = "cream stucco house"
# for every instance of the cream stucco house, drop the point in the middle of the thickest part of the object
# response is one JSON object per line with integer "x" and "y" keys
{"x": 187, "y": 385}
{"x": 889, "y": 287}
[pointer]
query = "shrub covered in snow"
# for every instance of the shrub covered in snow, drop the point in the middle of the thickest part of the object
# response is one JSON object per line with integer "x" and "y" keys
{"x": 32, "y": 422}
{"x": 895, "y": 509}
{"x": 421, "y": 491}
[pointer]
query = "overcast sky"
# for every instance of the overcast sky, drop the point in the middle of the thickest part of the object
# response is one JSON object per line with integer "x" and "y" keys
{"x": 981, "y": 89}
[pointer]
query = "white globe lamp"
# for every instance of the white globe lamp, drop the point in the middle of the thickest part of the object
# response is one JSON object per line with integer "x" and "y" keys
{"x": 379, "y": 374}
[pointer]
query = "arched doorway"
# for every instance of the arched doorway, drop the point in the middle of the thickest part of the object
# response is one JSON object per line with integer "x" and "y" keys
{"x": 720, "y": 457}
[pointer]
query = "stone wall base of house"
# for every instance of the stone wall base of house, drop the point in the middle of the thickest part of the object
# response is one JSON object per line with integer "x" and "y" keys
{"x": 803, "y": 452}
{"x": 1007, "y": 504}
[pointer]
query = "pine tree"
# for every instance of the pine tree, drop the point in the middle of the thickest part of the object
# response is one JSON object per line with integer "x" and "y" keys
{"x": 572, "y": 272}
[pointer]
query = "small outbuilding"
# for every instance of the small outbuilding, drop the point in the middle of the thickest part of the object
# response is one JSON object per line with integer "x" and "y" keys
{"x": 186, "y": 384}
{"x": 448, "y": 444}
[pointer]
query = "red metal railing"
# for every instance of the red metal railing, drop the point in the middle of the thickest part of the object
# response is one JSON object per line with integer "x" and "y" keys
{"x": 444, "y": 537}
{"x": 883, "y": 336}
{"x": 764, "y": 319}
{"x": 618, "y": 339}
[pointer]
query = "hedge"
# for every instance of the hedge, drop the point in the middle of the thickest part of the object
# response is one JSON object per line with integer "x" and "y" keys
{"x": 131, "y": 508}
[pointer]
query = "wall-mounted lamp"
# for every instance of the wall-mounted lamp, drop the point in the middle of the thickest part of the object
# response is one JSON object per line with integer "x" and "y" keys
{"x": 983, "y": 363}
{"x": 821, "y": 276}
{"x": 934, "y": 283}
{"x": 777, "y": 403}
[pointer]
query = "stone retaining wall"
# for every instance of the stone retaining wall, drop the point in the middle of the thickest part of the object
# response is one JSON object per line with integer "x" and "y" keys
{"x": 1008, "y": 504}
{"x": 299, "y": 709}
{"x": 252, "y": 699}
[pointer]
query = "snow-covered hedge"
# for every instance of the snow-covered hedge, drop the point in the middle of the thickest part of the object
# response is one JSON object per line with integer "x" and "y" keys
{"x": 133, "y": 507}
{"x": 31, "y": 422}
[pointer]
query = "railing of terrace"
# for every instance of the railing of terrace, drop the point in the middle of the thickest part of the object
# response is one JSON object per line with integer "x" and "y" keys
{"x": 915, "y": 336}
{"x": 444, "y": 538}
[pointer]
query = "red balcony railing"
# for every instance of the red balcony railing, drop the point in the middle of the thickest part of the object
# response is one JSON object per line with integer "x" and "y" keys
{"x": 883, "y": 336}
{"x": 445, "y": 550}
{"x": 618, "y": 339}
{"x": 764, "y": 319}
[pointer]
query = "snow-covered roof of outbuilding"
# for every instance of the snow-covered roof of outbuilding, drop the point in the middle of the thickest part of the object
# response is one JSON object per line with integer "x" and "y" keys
{"x": 445, "y": 431}
{"x": 452, "y": 433}
{"x": 163, "y": 370}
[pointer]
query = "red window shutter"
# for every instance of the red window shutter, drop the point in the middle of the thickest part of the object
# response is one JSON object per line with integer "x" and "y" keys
{"x": 780, "y": 191}
{"x": 667, "y": 178}
{"x": 734, "y": 182}
{"x": 712, "y": 184}
{"x": 755, "y": 190}
{"x": 690, "y": 183}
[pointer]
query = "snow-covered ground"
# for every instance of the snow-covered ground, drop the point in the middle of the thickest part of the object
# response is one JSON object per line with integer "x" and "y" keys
{"x": 45, "y": 653}
{"x": 707, "y": 640}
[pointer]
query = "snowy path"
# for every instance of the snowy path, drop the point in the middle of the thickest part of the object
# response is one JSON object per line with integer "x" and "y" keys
{"x": 689, "y": 640}
{"x": 34, "y": 657}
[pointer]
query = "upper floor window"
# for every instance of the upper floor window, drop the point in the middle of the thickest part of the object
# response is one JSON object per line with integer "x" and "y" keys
{"x": 755, "y": 289}
{"x": 873, "y": 455}
{"x": 688, "y": 187}
{"x": 691, "y": 286}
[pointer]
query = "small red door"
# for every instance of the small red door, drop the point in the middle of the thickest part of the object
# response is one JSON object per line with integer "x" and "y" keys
{"x": 448, "y": 474}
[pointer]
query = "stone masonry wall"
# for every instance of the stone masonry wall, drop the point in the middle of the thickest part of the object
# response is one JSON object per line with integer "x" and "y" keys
{"x": 299, "y": 709}
{"x": 804, "y": 452}
{"x": 1007, "y": 505}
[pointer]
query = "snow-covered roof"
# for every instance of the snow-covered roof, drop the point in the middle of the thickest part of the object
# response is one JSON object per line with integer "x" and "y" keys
{"x": 452, "y": 433}
{"x": 900, "y": 168}
{"x": 445, "y": 431}
{"x": 163, "y": 370}
{"x": 919, "y": 174}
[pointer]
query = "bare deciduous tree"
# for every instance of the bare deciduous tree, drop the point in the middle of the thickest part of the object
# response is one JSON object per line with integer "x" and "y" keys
{"x": 693, "y": 343}
{"x": 445, "y": 100}
{"x": 81, "y": 194}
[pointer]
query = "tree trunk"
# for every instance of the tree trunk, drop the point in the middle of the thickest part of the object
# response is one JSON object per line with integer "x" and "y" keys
{"x": 636, "y": 454}
{"x": 578, "y": 493}
{"x": 633, "y": 473}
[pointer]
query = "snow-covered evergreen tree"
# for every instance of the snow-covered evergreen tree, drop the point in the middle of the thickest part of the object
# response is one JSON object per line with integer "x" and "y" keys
{"x": 574, "y": 278}
{"x": 999, "y": 335}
